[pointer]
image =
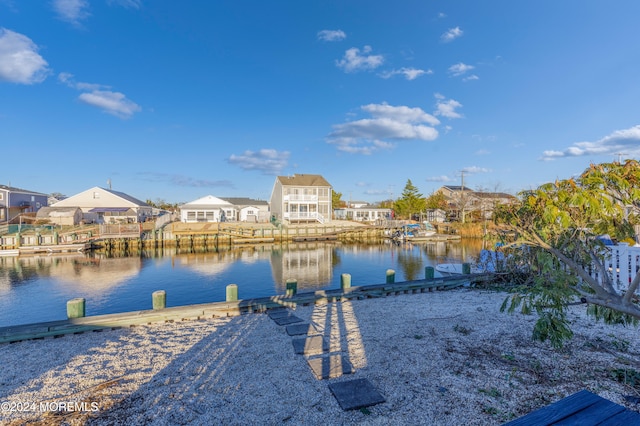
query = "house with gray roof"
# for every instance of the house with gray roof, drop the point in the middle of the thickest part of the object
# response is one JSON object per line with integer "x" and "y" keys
{"x": 228, "y": 209}
{"x": 101, "y": 205}
{"x": 15, "y": 201}
{"x": 301, "y": 198}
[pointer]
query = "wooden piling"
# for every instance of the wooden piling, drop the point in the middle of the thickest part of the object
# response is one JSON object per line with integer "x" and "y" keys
{"x": 159, "y": 299}
{"x": 76, "y": 308}
{"x": 292, "y": 287}
{"x": 345, "y": 281}
{"x": 391, "y": 276}
{"x": 429, "y": 272}
{"x": 232, "y": 293}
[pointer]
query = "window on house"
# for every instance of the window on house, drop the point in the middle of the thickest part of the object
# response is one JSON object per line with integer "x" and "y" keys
{"x": 96, "y": 195}
{"x": 1, "y": 196}
{"x": 191, "y": 215}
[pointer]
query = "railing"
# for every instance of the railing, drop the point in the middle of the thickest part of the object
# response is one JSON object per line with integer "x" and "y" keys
{"x": 121, "y": 230}
{"x": 304, "y": 216}
{"x": 622, "y": 264}
{"x": 299, "y": 197}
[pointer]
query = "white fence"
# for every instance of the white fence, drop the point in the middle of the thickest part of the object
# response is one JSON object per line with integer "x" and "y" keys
{"x": 623, "y": 263}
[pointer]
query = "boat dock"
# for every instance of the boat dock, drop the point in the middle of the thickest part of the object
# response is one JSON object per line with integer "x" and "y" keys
{"x": 230, "y": 307}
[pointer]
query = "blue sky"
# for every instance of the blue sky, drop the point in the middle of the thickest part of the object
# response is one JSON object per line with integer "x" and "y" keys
{"x": 176, "y": 100}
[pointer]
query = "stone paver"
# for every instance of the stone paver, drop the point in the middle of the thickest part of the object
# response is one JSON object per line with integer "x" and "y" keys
{"x": 313, "y": 345}
{"x": 328, "y": 367}
{"x": 355, "y": 394}
{"x": 299, "y": 329}
{"x": 289, "y": 319}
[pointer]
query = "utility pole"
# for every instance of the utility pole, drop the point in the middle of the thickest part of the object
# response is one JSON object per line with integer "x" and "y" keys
{"x": 463, "y": 198}
{"x": 620, "y": 154}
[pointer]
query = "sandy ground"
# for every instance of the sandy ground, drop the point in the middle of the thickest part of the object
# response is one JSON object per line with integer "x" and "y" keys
{"x": 442, "y": 358}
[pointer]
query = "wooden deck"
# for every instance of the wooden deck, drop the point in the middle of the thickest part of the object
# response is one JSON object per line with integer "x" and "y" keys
{"x": 583, "y": 408}
{"x": 218, "y": 309}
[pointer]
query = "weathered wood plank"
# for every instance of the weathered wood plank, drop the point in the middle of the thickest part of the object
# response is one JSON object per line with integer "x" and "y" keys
{"x": 581, "y": 408}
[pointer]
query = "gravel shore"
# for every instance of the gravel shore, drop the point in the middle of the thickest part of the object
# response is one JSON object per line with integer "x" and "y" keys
{"x": 441, "y": 358}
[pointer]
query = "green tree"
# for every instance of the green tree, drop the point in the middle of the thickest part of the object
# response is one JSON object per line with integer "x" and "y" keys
{"x": 559, "y": 224}
{"x": 410, "y": 202}
{"x": 336, "y": 200}
{"x": 437, "y": 200}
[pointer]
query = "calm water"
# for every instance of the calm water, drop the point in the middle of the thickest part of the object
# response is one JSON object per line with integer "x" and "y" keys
{"x": 34, "y": 289}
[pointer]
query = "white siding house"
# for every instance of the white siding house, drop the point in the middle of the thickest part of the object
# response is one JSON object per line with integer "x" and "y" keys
{"x": 363, "y": 214}
{"x": 207, "y": 209}
{"x": 301, "y": 198}
{"x": 249, "y": 210}
{"x": 102, "y": 205}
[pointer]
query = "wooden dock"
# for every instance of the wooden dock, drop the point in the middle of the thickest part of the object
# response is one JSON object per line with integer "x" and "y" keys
{"x": 222, "y": 309}
{"x": 58, "y": 248}
{"x": 583, "y": 408}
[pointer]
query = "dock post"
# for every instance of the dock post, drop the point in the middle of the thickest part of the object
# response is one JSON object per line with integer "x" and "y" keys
{"x": 429, "y": 273}
{"x": 76, "y": 308}
{"x": 345, "y": 281}
{"x": 391, "y": 276}
{"x": 292, "y": 287}
{"x": 232, "y": 293}
{"x": 466, "y": 268}
{"x": 159, "y": 299}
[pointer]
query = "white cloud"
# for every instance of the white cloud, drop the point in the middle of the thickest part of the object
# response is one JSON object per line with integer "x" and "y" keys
{"x": 19, "y": 59}
{"x": 451, "y": 34}
{"x": 354, "y": 60}
{"x": 475, "y": 169}
{"x": 331, "y": 35}
{"x": 626, "y": 142}
{"x": 186, "y": 181}
{"x": 441, "y": 178}
{"x": 72, "y": 11}
{"x": 129, "y": 4}
{"x": 460, "y": 69}
{"x": 447, "y": 108}
{"x": 114, "y": 103}
{"x": 388, "y": 123}
{"x": 268, "y": 161}
{"x": 471, "y": 78}
{"x": 408, "y": 73}
{"x": 101, "y": 96}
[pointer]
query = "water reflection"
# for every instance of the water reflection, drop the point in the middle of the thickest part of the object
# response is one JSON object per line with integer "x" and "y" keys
{"x": 37, "y": 288}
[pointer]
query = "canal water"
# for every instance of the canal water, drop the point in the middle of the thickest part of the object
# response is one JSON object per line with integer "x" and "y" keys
{"x": 37, "y": 288}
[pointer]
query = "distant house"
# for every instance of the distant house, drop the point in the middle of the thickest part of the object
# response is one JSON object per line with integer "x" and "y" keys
{"x": 363, "y": 214}
{"x": 248, "y": 210}
{"x": 206, "y": 209}
{"x": 436, "y": 215}
{"x": 15, "y": 201}
{"x": 462, "y": 198}
{"x": 63, "y": 216}
{"x": 301, "y": 198}
{"x": 100, "y": 205}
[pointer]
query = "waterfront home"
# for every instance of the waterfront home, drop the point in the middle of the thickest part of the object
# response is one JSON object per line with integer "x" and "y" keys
{"x": 463, "y": 199}
{"x": 301, "y": 198}
{"x": 206, "y": 209}
{"x": 62, "y": 216}
{"x": 363, "y": 214}
{"x": 15, "y": 201}
{"x": 248, "y": 210}
{"x": 100, "y": 205}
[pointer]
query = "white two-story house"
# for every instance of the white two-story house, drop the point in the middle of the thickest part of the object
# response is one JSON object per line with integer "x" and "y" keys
{"x": 301, "y": 198}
